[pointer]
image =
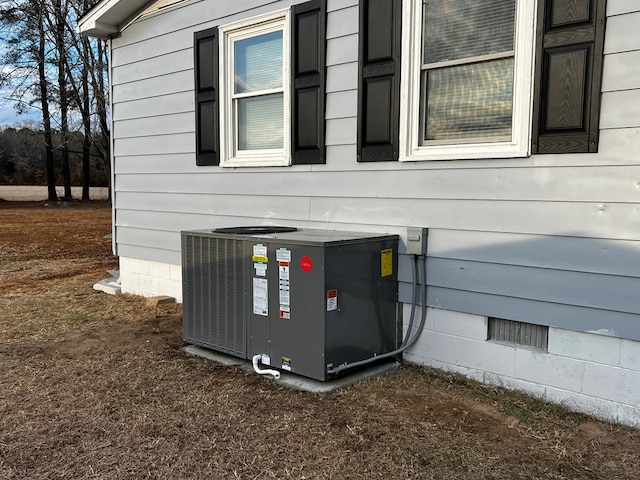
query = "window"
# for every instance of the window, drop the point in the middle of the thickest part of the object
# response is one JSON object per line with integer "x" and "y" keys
{"x": 260, "y": 89}
{"x": 254, "y": 92}
{"x": 469, "y": 84}
{"x": 471, "y": 79}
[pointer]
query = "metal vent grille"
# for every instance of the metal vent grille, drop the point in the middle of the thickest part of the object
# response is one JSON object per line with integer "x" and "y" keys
{"x": 214, "y": 289}
{"x": 519, "y": 333}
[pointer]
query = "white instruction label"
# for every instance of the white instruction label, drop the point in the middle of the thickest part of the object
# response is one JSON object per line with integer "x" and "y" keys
{"x": 284, "y": 295}
{"x": 259, "y": 250}
{"x": 283, "y": 254}
{"x": 260, "y": 297}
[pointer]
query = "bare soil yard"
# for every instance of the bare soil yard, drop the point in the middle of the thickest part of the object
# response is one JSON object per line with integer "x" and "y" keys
{"x": 94, "y": 386}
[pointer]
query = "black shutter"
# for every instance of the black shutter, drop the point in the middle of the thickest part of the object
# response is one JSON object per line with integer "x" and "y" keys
{"x": 379, "y": 80}
{"x": 569, "y": 50}
{"x": 206, "y": 87}
{"x": 308, "y": 82}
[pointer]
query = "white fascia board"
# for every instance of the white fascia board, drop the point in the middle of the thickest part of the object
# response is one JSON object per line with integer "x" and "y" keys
{"x": 106, "y": 17}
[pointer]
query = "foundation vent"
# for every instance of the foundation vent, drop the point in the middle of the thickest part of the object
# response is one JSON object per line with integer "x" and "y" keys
{"x": 519, "y": 333}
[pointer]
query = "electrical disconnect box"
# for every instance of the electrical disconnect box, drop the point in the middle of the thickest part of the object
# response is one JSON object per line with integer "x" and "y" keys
{"x": 305, "y": 300}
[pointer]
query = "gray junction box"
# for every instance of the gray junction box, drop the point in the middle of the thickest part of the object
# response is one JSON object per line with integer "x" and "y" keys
{"x": 306, "y": 300}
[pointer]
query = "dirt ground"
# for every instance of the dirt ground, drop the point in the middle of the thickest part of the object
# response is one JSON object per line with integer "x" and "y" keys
{"x": 94, "y": 386}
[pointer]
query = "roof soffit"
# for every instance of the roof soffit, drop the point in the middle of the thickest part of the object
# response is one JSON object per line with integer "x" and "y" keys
{"x": 106, "y": 18}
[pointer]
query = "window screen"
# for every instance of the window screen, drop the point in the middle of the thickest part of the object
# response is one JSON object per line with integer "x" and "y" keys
{"x": 258, "y": 98}
{"x": 467, "y": 72}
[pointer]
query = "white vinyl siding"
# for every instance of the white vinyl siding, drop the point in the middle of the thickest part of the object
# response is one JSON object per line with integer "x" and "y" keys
{"x": 533, "y": 218}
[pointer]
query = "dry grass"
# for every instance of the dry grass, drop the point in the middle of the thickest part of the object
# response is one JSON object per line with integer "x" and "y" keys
{"x": 96, "y": 387}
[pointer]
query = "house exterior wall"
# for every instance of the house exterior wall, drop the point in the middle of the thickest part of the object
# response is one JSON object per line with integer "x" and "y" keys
{"x": 548, "y": 239}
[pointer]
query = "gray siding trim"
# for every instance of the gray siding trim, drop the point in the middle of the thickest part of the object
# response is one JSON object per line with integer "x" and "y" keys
{"x": 615, "y": 324}
{"x": 603, "y": 292}
{"x": 614, "y": 257}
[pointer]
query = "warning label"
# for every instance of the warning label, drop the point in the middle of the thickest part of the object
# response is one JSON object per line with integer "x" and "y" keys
{"x": 284, "y": 286}
{"x": 332, "y": 300}
{"x": 386, "y": 262}
{"x": 286, "y": 363}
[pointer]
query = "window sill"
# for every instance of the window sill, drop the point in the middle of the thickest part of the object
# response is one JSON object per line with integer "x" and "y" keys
{"x": 262, "y": 161}
{"x": 464, "y": 152}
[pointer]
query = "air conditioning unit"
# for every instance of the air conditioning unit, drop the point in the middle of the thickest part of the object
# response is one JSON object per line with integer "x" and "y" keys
{"x": 305, "y": 300}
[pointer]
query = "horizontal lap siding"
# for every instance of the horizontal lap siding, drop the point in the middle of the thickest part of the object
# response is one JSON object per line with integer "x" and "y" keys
{"x": 617, "y": 7}
{"x": 614, "y": 184}
{"x": 549, "y": 239}
{"x": 154, "y": 86}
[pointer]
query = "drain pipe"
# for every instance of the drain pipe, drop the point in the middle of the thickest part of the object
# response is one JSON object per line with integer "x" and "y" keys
{"x": 267, "y": 371}
{"x": 409, "y": 339}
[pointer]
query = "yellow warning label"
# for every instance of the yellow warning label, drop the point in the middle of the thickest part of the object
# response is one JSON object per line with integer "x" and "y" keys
{"x": 259, "y": 259}
{"x": 386, "y": 262}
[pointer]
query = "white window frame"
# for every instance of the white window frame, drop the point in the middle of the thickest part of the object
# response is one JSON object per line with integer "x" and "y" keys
{"x": 230, "y": 156}
{"x": 411, "y": 61}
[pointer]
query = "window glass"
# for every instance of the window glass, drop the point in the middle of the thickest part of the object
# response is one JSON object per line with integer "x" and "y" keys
{"x": 468, "y": 70}
{"x": 261, "y": 122}
{"x": 469, "y": 101}
{"x": 258, "y": 63}
{"x": 258, "y": 86}
{"x": 461, "y": 29}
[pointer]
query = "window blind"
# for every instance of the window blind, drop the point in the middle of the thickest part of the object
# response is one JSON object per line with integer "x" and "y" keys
{"x": 461, "y": 29}
{"x": 261, "y": 122}
{"x": 469, "y": 101}
{"x": 258, "y": 63}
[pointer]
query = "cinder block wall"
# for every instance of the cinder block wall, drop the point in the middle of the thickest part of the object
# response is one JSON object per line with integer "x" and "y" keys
{"x": 586, "y": 372}
{"x": 149, "y": 279}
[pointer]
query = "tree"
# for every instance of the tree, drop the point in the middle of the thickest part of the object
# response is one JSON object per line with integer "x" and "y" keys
{"x": 49, "y": 65}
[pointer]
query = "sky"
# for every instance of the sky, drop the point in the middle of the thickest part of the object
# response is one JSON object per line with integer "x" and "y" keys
{"x": 9, "y": 117}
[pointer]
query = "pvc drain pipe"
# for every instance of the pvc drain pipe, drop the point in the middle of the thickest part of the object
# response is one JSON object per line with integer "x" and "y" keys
{"x": 267, "y": 371}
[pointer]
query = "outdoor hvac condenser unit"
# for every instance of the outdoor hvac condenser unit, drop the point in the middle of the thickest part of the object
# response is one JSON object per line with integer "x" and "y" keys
{"x": 306, "y": 300}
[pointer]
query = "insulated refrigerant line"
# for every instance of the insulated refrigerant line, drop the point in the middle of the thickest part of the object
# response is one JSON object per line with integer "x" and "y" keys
{"x": 409, "y": 339}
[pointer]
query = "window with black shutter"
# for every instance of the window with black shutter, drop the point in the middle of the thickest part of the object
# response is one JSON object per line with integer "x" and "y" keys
{"x": 569, "y": 57}
{"x": 308, "y": 82}
{"x": 379, "y": 80}
{"x": 471, "y": 79}
{"x": 206, "y": 88}
{"x": 249, "y": 110}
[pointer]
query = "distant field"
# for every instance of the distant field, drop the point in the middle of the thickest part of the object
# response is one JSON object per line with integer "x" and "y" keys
{"x": 28, "y": 193}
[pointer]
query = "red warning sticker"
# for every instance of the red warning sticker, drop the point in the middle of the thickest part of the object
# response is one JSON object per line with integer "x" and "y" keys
{"x": 332, "y": 300}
